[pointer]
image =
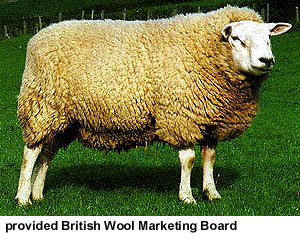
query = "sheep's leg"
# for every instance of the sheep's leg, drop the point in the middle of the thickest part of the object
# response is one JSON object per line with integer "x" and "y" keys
{"x": 208, "y": 159}
{"x": 187, "y": 159}
{"x": 24, "y": 190}
{"x": 40, "y": 170}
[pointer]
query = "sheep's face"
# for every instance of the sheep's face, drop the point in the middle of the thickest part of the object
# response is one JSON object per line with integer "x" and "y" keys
{"x": 251, "y": 47}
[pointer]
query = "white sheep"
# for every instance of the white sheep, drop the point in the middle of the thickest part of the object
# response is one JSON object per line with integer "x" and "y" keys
{"x": 117, "y": 84}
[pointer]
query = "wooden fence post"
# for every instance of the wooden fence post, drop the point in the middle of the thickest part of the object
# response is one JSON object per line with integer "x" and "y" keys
{"x": 199, "y": 9}
{"x": 82, "y": 15}
{"x": 148, "y": 14}
{"x": 40, "y": 25}
{"x": 102, "y": 14}
{"x": 5, "y": 32}
{"x": 124, "y": 14}
{"x": 92, "y": 15}
{"x": 24, "y": 27}
{"x": 36, "y": 27}
{"x": 59, "y": 17}
{"x": 262, "y": 13}
{"x": 297, "y": 14}
{"x": 268, "y": 13}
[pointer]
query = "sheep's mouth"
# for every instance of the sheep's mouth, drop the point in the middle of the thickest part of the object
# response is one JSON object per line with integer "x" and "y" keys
{"x": 262, "y": 69}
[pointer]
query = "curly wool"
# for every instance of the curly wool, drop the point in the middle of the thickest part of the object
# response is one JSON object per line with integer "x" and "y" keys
{"x": 117, "y": 84}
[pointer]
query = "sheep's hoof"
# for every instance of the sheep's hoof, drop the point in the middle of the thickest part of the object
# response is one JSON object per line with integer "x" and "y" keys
{"x": 189, "y": 200}
{"x": 23, "y": 203}
{"x": 211, "y": 194}
{"x": 37, "y": 198}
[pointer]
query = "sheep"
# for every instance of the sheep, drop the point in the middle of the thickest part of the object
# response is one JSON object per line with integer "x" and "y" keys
{"x": 189, "y": 79}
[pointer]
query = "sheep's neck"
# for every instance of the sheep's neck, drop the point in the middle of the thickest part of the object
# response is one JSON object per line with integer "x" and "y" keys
{"x": 231, "y": 100}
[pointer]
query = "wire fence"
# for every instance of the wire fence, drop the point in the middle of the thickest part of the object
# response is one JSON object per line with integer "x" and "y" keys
{"x": 32, "y": 24}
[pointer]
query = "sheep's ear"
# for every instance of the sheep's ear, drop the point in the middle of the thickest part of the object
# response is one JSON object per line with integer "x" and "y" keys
{"x": 278, "y": 28}
{"x": 226, "y": 31}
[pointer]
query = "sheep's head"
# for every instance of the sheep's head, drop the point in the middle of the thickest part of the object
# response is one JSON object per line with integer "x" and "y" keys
{"x": 251, "y": 47}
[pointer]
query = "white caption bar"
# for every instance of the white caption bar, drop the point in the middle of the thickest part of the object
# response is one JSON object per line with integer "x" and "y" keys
{"x": 149, "y": 228}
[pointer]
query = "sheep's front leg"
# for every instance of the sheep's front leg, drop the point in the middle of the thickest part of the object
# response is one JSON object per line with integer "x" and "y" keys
{"x": 208, "y": 159}
{"x": 187, "y": 159}
{"x": 24, "y": 190}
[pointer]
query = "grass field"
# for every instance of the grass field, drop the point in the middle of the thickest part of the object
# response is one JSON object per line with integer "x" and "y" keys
{"x": 257, "y": 173}
{"x": 23, "y": 8}
{"x": 15, "y": 14}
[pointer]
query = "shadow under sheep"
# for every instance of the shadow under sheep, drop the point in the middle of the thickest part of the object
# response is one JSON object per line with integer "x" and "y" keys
{"x": 115, "y": 176}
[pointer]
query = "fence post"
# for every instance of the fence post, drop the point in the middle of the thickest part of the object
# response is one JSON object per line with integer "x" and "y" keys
{"x": 268, "y": 13}
{"x": 124, "y": 14}
{"x": 262, "y": 13}
{"x": 40, "y": 25}
{"x": 24, "y": 27}
{"x": 102, "y": 14}
{"x": 82, "y": 15}
{"x": 92, "y": 15}
{"x": 36, "y": 27}
{"x": 5, "y": 32}
{"x": 297, "y": 14}
{"x": 199, "y": 9}
{"x": 59, "y": 17}
{"x": 148, "y": 14}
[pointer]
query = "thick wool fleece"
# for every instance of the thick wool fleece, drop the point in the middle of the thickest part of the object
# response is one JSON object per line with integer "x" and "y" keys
{"x": 117, "y": 84}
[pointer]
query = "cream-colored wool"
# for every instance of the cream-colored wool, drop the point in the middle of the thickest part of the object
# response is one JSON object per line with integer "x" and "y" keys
{"x": 118, "y": 84}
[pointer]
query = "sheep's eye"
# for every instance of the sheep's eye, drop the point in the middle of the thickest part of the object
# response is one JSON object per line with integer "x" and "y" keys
{"x": 234, "y": 38}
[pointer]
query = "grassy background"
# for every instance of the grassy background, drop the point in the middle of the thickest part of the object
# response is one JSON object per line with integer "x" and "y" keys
{"x": 13, "y": 15}
{"x": 53, "y": 7}
{"x": 257, "y": 173}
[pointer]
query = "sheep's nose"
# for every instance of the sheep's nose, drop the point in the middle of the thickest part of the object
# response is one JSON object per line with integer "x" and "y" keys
{"x": 267, "y": 61}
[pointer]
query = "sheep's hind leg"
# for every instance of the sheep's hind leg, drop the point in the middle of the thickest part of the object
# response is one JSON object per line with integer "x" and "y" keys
{"x": 30, "y": 156}
{"x": 187, "y": 159}
{"x": 208, "y": 159}
{"x": 40, "y": 170}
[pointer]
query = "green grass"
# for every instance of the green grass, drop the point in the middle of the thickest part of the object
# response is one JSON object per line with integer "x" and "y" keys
{"x": 257, "y": 173}
{"x": 14, "y": 14}
{"x": 23, "y": 8}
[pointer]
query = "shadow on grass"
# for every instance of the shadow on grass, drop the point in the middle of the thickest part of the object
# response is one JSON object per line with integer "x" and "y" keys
{"x": 115, "y": 176}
